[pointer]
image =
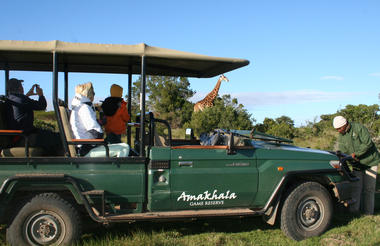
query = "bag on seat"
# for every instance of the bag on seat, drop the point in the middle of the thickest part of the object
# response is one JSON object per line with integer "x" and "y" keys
{"x": 115, "y": 150}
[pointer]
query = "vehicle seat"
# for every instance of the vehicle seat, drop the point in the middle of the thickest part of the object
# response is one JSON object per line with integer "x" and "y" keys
{"x": 65, "y": 116}
{"x": 159, "y": 140}
{"x": 71, "y": 141}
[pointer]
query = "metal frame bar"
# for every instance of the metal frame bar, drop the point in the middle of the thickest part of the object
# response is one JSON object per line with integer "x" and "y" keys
{"x": 129, "y": 104}
{"x": 142, "y": 107}
{"x": 55, "y": 104}
{"x": 66, "y": 97}
{"x": 6, "y": 78}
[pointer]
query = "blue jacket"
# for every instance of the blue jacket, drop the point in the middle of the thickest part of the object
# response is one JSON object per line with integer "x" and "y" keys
{"x": 20, "y": 115}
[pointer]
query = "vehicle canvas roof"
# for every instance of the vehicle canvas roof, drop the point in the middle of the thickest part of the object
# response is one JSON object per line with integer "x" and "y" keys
{"x": 111, "y": 58}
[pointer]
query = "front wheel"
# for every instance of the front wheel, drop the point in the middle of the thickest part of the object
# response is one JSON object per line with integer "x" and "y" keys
{"x": 46, "y": 219}
{"x": 307, "y": 211}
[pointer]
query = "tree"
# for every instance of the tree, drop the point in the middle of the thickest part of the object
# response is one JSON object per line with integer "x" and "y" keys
{"x": 364, "y": 114}
{"x": 367, "y": 115}
{"x": 226, "y": 113}
{"x": 167, "y": 98}
{"x": 281, "y": 127}
{"x": 324, "y": 133}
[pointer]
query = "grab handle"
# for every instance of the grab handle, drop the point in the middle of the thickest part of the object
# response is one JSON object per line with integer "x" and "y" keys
{"x": 185, "y": 163}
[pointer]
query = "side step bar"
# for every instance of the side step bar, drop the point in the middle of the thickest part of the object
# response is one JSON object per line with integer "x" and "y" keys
{"x": 182, "y": 214}
{"x": 97, "y": 193}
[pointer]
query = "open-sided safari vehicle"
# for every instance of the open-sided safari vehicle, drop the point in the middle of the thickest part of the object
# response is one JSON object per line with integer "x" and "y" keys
{"x": 44, "y": 198}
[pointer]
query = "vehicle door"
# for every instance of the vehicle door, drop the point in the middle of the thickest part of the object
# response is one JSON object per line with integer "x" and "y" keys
{"x": 209, "y": 177}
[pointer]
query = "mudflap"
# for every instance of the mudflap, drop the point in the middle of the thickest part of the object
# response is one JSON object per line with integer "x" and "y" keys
{"x": 271, "y": 213}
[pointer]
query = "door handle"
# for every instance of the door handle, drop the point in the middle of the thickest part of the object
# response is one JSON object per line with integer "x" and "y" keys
{"x": 185, "y": 163}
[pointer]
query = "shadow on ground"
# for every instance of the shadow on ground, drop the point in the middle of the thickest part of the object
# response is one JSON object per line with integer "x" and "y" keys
{"x": 226, "y": 225}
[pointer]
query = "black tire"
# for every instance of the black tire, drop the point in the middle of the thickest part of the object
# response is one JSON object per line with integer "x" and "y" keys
{"x": 307, "y": 211}
{"x": 46, "y": 219}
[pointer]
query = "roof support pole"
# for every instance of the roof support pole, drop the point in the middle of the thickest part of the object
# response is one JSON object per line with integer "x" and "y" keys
{"x": 55, "y": 103}
{"x": 66, "y": 98}
{"x": 142, "y": 107}
{"x": 6, "y": 79}
{"x": 129, "y": 103}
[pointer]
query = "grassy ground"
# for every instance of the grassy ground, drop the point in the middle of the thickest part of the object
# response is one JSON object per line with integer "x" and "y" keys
{"x": 345, "y": 230}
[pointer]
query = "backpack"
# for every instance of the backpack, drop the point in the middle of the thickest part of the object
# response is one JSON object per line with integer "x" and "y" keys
{"x": 111, "y": 105}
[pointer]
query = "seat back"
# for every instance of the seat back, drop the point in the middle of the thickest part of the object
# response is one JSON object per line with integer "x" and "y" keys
{"x": 159, "y": 140}
{"x": 65, "y": 115}
{"x": 5, "y": 141}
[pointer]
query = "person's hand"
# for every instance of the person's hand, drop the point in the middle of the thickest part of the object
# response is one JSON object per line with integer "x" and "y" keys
{"x": 98, "y": 107}
{"x": 39, "y": 91}
{"x": 354, "y": 157}
{"x": 31, "y": 91}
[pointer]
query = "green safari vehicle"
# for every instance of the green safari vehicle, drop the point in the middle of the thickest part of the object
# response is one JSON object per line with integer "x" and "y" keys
{"x": 45, "y": 199}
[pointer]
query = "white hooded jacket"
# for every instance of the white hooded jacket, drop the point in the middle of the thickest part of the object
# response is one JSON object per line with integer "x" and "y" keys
{"x": 83, "y": 118}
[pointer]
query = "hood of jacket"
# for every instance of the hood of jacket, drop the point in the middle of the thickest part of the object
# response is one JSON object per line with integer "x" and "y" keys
{"x": 79, "y": 99}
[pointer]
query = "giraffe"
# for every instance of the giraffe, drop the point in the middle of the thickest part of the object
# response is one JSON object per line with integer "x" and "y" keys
{"x": 208, "y": 101}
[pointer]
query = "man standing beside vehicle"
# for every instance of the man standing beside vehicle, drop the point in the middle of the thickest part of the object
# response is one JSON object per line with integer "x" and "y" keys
{"x": 354, "y": 139}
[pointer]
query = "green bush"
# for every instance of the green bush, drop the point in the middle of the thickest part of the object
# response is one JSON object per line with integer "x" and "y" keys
{"x": 225, "y": 114}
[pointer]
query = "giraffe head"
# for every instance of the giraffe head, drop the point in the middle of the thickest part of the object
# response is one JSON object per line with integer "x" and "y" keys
{"x": 222, "y": 77}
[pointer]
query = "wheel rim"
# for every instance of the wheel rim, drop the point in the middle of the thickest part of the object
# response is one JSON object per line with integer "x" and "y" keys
{"x": 310, "y": 213}
{"x": 44, "y": 228}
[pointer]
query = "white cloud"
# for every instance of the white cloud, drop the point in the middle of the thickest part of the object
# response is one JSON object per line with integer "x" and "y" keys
{"x": 255, "y": 99}
{"x": 374, "y": 74}
{"x": 249, "y": 99}
{"x": 332, "y": 77}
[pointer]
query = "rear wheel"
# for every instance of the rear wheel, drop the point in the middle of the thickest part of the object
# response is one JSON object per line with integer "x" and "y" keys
{"x": 307, "y": 211}
{"x": 46, "y": 219}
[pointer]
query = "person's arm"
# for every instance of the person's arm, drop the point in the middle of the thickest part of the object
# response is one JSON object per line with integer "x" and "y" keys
{"x": 34, "y": 104}
{"x": 365, "y": 139}
{"x": 88, "y": 118}
{"x": 29, "y": 103}
{"x": 124, "y": 114}
{"x": 95, "y": 134}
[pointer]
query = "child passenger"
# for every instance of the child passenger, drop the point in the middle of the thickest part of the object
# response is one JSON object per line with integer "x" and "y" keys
{"x": 115, "y": 110}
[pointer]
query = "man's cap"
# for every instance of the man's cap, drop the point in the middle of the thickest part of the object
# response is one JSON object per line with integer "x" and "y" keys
{"x": 14, "y": 83}
{"x": 339, "y": 121}
{"x": 116, "y": 91}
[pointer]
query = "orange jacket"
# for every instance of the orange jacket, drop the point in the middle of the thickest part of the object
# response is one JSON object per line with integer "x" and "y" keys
{"x": 117, "y": 122}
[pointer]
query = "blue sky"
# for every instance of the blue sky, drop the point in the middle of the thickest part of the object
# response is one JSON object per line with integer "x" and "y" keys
{"x": 307, "y": 58}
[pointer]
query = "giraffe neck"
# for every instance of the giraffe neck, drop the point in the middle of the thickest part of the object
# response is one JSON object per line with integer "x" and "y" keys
{"x": 212, "y": 95}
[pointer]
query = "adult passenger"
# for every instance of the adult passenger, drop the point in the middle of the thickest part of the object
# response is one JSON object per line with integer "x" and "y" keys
{"x": 83, "y": 117}
{"x": 20, "y": 116}
{"x": 354, "y": 139}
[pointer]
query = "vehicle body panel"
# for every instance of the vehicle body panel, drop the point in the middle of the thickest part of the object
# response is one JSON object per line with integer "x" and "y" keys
{"x": 211, "y": 178}
{"x": 122, "y": 179}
